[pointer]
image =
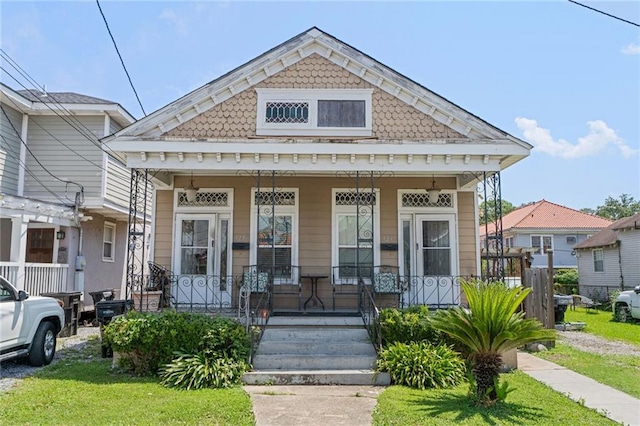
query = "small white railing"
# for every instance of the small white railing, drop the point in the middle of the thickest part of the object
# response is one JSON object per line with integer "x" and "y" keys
{"x": 38, "y": 277}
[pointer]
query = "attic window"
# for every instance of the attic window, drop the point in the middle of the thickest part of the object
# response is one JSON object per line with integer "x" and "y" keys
{"x": 314, "y": 112}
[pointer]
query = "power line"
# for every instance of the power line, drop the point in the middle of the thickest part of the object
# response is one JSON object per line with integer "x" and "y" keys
{"x": 26, "y": 169}
{"x": 120, "y": 56}
{"x": 67, "y": 182}
{"x": 79, "y": 126}
{"x": 604, "y": 13}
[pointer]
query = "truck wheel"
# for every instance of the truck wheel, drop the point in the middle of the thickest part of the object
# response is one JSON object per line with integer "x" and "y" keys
{"x": 43, "y": 347}
{"x": 622, "y": 313}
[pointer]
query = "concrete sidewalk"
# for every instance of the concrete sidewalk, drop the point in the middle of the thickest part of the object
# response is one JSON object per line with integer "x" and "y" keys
{"x": 616, "y": 405}
{"x": 290, "y": 405}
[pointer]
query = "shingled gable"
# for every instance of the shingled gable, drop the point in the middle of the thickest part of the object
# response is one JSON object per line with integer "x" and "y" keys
{"x": 315, "y": 42}
{"x": 420, "y": 128}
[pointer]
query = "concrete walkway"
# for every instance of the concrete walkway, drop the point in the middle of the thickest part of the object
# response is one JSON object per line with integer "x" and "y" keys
{"x": 616, "y": 405}
{"x": 353, "y": 405}
{"x": 313, "y": 405}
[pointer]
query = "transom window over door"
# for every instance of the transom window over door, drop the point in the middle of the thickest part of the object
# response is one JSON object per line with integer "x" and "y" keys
{"x": 274, "y": 237}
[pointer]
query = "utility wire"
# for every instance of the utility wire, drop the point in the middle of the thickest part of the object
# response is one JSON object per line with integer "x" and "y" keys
{"x": 68, "y": 117}
{"x": 67, "y": 182}
{"x": 120, "y": 56}
{"x": 604, "y": 13}
{"x": 26, "y": 169}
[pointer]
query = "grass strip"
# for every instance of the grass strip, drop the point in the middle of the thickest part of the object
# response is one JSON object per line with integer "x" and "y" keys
{"x": 532, "y": 403}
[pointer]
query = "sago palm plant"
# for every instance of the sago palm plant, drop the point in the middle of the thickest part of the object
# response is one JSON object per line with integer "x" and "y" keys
{"x": 490, "y": 327}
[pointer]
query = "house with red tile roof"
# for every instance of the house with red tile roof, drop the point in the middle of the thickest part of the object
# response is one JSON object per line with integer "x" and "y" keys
{"x": 610, "y": 259}
{"x": 545, "y": 225}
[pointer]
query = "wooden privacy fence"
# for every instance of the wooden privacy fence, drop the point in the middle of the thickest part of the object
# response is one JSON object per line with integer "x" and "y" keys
{"x": 536, "y": 305}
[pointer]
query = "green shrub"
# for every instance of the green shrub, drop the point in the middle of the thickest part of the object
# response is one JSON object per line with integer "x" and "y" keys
{"x": 421, "y": 365}
{"x": 408, "y": 325}
{"x": 202, "y": 371}
{"x": 149, "y": 340}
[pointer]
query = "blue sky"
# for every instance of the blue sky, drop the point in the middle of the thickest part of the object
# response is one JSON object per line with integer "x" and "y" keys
{"x": 563, "y": 78}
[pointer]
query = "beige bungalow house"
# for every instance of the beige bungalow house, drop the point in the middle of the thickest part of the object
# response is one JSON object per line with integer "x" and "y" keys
{"x": 309, "y": 173}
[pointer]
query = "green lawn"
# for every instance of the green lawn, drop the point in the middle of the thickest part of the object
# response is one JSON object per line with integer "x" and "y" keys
{"x": 80, "y": 393}
{"x": 531, "y": 404}
{"x": 621, "y": 372}
{"x": 601, "y": 324}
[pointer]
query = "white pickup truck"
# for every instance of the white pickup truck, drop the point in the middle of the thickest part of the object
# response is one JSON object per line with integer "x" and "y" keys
{"x": 28, "y": 325}
{"x": 627, "y": 305}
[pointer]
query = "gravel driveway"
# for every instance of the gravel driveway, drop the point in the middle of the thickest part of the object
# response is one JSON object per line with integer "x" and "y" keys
{"x": 590, "y": 343}
{"x": 12, "y": 371}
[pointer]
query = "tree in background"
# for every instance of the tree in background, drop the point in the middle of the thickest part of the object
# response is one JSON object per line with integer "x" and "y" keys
{"x": 615, "y": 209}
{"x": 507, "y": 208}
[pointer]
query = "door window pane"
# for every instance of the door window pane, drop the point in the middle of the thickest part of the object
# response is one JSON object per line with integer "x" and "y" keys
{"x": 194, "y": 252}
{"x": 436, "y": 248}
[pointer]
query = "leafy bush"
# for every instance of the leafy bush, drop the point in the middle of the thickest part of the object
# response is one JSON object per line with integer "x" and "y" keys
{"x": 202, "y": 370}
{"x": 149, "y": 340}
{"x": 408, "y": 325}
{"x": 566, "y": 276}
{"x": 421, "y": 365}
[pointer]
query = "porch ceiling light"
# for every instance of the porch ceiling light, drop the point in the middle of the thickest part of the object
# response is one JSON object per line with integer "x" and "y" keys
{"x": 191, "y": 191}
{"x": 434, "y": 191}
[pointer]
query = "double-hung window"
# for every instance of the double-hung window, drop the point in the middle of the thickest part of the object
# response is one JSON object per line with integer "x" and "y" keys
{"x": 355, "y": 225}
{"x": 541, "y": 243}
{"x": 275, "y": 236}
{"x": 314, "y": 112}
{"x": 108, "y": 241}
{"x": 598, "y": 260}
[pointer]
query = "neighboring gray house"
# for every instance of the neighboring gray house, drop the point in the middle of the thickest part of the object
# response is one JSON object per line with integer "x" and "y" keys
{"x": 610, "y": 259}
{"x": 64, "y": 200}
{"x": 544, "y": 225}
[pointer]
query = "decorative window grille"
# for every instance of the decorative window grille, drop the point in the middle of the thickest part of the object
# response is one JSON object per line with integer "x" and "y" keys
{"x": 204, "y": 199}
{"x": 287, "y": 112}
{"x": 354, "y": 198}
{"x": 279, "y": 198}
{"x": 417, "y": 199}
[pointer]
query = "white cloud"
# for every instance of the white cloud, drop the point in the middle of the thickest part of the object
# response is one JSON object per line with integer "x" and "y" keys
{"x": 176, "y": 21}
{"x": 599, "y": 137}
{"x": 631, "y": 49}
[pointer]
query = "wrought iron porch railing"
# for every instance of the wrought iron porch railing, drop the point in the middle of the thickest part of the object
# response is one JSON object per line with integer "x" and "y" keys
{"x": 435, "y": 292}
{"x": 370, "y": 315}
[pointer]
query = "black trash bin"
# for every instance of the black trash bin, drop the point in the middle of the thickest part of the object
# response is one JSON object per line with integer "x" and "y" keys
{"x": 71, "y": 307}
{"x": 106, "y": 310}
{"x": 560, "y": 304}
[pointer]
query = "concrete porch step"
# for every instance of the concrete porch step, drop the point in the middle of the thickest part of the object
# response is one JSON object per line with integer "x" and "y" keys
{"x": 268, "y": 347}
{"x": 313, "y": 362}
{"x": 315, "y": 321}
{"x": 320, "y": 334}
{"x": 316, "y": 377}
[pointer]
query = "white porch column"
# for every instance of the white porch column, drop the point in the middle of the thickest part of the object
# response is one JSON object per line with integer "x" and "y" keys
{"x": 19, "y": 247}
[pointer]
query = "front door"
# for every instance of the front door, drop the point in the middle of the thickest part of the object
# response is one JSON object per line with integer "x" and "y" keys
{"x": 198, "y": 277}
{"x": 436, "y": 261}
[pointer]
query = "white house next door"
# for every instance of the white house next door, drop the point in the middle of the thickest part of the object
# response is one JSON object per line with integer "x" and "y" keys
{"x": 198, "y": 278}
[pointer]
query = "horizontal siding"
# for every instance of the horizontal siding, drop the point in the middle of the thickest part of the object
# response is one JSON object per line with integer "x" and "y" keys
{"x": 630, "y": 256}
{"x": 314, "y": 219}
{"x": 119, "y": 184}
{"x": 587, "y": 275}
{"x": 114, "y": 127}
{"x": 60, "y": 160}
{"x": 10, "y": 150}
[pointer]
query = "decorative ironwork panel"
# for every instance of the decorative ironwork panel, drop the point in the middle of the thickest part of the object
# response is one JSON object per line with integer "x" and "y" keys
{"x": 278, "y": 198}
{"x": 287, "y": 112}
{"x": 364, "y": 198}
{"x": 204, "y": 199}
{"x": 418, "y": 199}
{"x": 140, "y": 188}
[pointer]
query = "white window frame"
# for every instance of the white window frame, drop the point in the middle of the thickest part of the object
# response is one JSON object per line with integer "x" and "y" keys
{"x": 311, "y": 96}
{"x": 221, "y": 212}
{"x": 542, "y": 236}
{"x": 112, "y": 226}
{"x": 508, "y": 242}
{"x": 278, "y": 211}
{"x": 337, "y": 211}
{"x": 595, "y": 251}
